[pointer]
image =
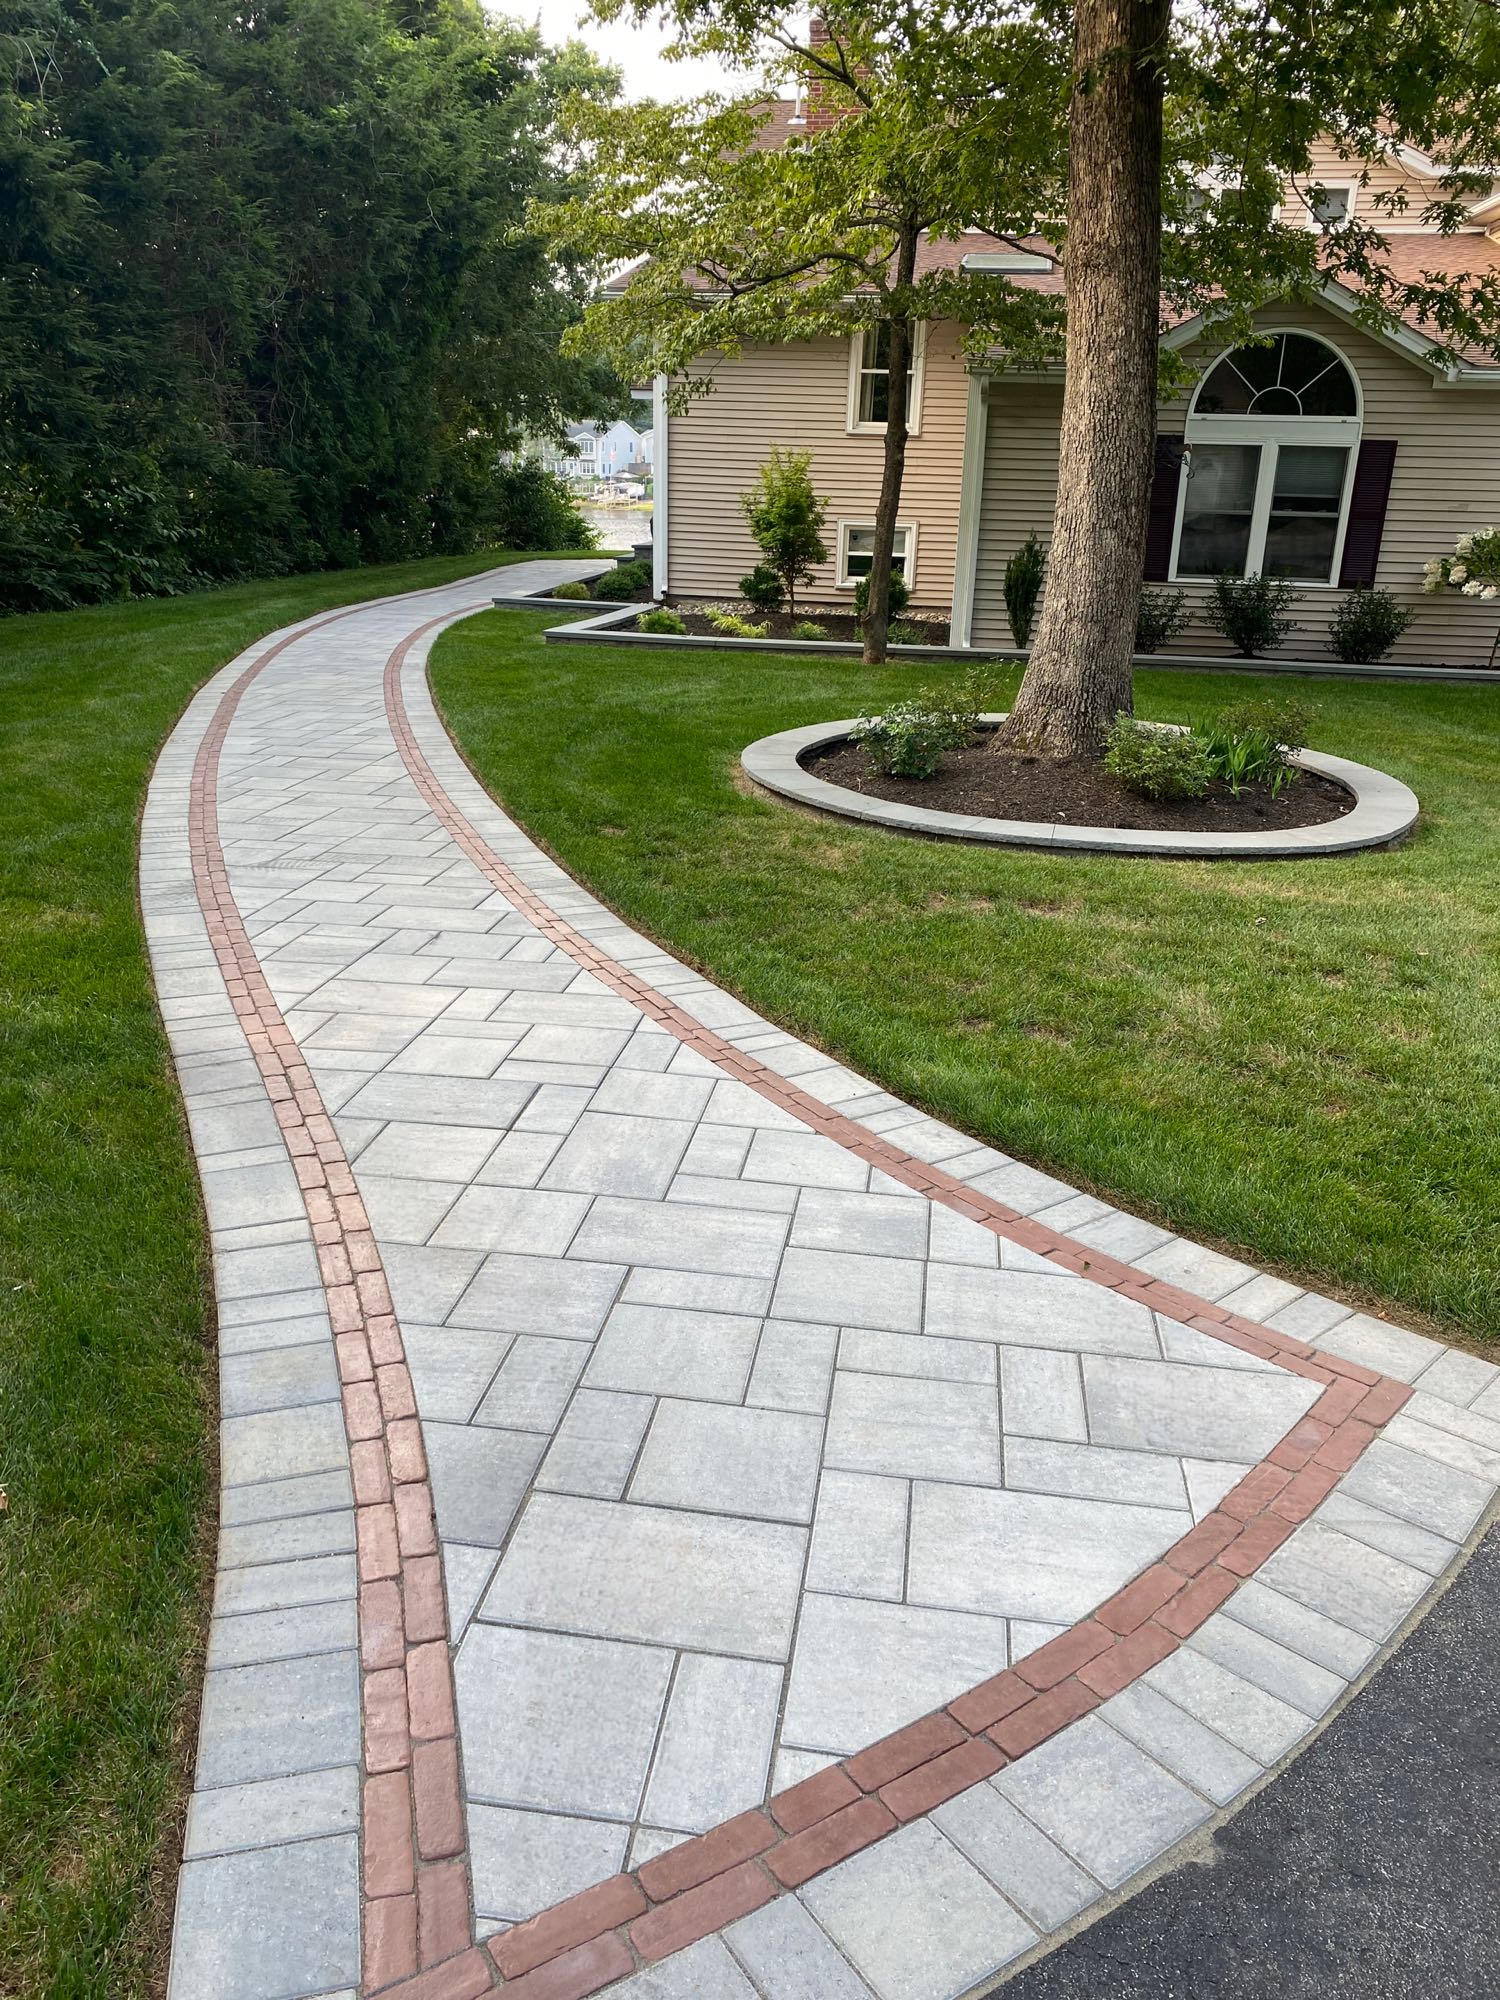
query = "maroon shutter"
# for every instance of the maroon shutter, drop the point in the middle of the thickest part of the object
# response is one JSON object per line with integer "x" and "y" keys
{"x": 1162, "y": 518}
{"x": 1367, "y": 503}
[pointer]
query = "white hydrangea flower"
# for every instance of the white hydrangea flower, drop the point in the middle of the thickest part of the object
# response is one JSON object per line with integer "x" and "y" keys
{"x": 1472, "y": 589}
{"x": 1489, "y": 592}
{"x": 1458, "y": 572}
{"x": 1465, "y": 545}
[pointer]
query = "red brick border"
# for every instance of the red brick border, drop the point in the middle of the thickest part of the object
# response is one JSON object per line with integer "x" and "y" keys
{"x": 417, "y": 1916}
{"x": 415, "y": 1866}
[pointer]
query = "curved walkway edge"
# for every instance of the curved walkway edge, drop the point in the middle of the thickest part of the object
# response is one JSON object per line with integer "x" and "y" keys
{"x": 828, "y": 1549}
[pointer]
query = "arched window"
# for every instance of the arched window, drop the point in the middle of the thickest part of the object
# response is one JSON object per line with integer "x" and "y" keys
{"x": 1271, "y": 437}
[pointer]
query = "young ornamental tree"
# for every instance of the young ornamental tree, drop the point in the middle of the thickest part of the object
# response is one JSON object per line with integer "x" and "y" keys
{"x": 786, "y": 518}
{"x": 917, "y": 126}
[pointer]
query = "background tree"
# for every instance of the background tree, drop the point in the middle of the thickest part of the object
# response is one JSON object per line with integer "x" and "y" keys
{"x": 265, "y": 301}
{"x": 917, "y": 124}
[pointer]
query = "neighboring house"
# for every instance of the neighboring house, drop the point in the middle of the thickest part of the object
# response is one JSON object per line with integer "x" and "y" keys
{"x": 595, "y": 451}
{"x": 1334, "y": 455}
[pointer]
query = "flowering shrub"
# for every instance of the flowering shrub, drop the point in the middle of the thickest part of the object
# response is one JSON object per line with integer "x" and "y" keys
{"x": 1473, "y": 568}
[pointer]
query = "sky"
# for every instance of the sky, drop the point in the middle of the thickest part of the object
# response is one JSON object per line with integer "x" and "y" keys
{"x": 635, "y": 49}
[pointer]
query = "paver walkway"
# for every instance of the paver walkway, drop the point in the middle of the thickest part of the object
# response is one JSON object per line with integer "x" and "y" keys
{"x": 762, "y": 1417}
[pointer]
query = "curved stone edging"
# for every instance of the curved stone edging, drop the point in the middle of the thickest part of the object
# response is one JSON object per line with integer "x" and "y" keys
{"x": 1385, "y": 810}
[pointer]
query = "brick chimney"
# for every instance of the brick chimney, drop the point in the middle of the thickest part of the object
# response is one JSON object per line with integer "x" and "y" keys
{"x": 818, "y": 113}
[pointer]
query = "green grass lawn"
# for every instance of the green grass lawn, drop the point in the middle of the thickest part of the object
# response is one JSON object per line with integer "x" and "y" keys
{"x": 106, "y": 1389}
{"x": 1296, "y": 1061}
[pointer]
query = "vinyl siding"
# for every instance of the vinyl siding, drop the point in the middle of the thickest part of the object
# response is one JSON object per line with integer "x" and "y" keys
{"x": 1447, "y": 482}
{"x": 797, "y": 396}
{"x": 1385, "y": 175}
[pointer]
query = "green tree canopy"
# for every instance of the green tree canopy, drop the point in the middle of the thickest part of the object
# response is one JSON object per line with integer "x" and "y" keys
{"x": 265, "y": 299}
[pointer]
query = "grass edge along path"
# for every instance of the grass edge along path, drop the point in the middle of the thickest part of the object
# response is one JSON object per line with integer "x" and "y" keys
{"x": 107, "y": 1387}
{"x": 1294, "y": 1061}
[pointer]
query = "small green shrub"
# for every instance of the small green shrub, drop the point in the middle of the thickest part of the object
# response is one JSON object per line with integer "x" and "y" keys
{"x": 1251, "y": 612}
{"x": 625, "y": 581}
{"x": 908, "y": 741}
{"x": 903, "y": 632}
{"x": 1157, "y": 763}
{"x": 809, "y": 628}
{"x": 786, "y": 518}
{"x": 1160, "y": 616}
{"x": 659, "y": 620}
{"x": 1366, "y": 625}
{"x": 732, "y": 626}
{"x": 571, "y": 590}
{"x": 762, "y": 589}
{"x": 1023, "y": 586}
{"x": 1281, "y": 717}
{"x": 1251, "y": 743}
{"x": 899, "y": 597}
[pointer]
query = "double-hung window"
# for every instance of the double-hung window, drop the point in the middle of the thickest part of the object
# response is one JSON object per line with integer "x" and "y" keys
{"x": 1324, "y": 205}
{"x": 870, "y": 379}
{"x": 1271, "y": 441}
{"x": 857, "y": 552}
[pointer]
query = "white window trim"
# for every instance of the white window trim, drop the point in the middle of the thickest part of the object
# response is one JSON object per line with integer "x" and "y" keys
{"x": 918, "y": 370}
{"x": 1271, "y": 433}
{"x": 1302, "y": 211}
{"x": 843, "y": 581}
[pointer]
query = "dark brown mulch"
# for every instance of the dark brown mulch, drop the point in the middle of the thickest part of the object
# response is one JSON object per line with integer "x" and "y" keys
{"x": 992, "y": 785}
{"x": 779, "y": 626}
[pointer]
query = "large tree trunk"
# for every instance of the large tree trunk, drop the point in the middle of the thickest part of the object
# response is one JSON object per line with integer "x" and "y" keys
{"x": 893, "y": 465}
{"x": 1078, "y": 678}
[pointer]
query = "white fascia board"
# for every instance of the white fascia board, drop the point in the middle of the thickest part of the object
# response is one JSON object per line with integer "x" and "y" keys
{"x": 1006, "y": 260}
{"x": 1345, "y": 303}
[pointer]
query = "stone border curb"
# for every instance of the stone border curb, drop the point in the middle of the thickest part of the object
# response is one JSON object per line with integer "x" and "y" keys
{"x": 615, "y": 628}
{"x": 603, "y": 631}
{"x": 1385, "y": 810}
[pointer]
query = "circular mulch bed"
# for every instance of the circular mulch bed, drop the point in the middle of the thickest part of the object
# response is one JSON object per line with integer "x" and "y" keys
{"x": 1334, "y": 806}
{"x": 984, "y": 782}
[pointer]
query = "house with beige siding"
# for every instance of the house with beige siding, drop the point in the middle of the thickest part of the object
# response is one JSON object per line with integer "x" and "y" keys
{"x": 1326, "y": 453}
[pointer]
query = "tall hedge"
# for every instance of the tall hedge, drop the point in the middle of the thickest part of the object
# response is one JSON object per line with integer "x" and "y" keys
{"x": 263, "y": 305}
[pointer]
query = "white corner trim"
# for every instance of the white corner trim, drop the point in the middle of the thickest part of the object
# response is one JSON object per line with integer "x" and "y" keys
{"x": 970, "y": 499}
{"x": 659, "y": 423}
